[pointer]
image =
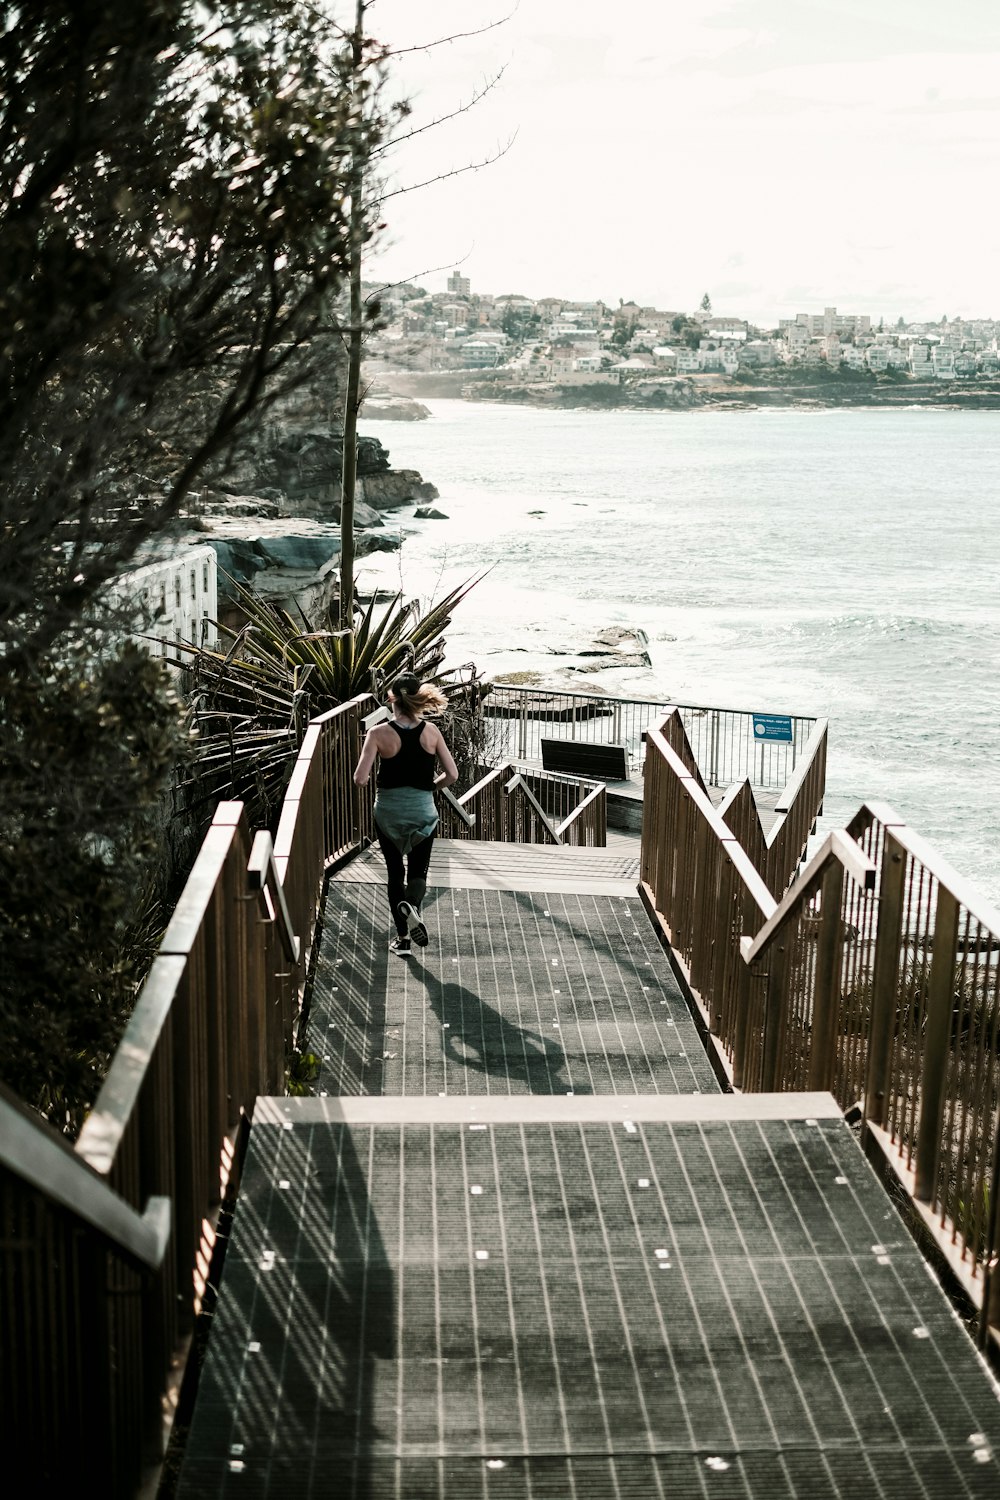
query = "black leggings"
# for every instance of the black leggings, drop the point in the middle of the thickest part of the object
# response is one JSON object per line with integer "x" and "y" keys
{"x": 409, "y": 884}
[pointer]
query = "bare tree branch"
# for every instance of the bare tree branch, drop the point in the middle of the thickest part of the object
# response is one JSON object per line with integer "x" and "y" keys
{"x": 472, "y": 166}
{"x": 457, "y": 36}
{"x": 427, "y": 271}
{"x": 462, "y": 109}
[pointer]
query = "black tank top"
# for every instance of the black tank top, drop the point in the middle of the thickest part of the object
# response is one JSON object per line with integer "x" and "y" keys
{"x": 412, "y": 765}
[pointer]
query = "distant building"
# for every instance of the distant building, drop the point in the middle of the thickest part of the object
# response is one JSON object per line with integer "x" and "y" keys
{"x": 480, "y": 353}
{"x": 175, "y": 596}
{"x": 829, "y": 321}
{"x": 459, "y": 286}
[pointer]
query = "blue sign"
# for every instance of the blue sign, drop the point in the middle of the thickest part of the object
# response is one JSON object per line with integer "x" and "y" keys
{"x": 775, "y": 728}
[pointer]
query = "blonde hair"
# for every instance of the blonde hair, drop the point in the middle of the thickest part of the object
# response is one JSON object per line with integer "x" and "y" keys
{"x": 418, "y": 698}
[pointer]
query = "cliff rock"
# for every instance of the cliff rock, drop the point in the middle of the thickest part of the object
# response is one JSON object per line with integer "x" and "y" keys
{"x": 388, "y": 491}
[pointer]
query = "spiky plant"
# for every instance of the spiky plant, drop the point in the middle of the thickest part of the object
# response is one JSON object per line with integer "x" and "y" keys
{"x": 254, "y": 694}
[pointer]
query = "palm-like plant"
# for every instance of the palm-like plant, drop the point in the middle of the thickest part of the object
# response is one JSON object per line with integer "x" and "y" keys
{"x": 254, "y": 694}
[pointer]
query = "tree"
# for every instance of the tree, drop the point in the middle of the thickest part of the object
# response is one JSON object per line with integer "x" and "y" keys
{"x": 87, "y": 758}
{"x": 174, "y": 222}
{"x": 706, "y": 304}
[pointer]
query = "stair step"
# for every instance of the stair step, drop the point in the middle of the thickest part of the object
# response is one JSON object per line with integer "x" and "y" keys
{"x": 484, "y": 865}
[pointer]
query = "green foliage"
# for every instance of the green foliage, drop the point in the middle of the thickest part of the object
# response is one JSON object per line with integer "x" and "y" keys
{"x": 88, "y": 746}
{"x": 301, "y": 1073}
{"x": 688, "y": 329}
{"x": 254, "y": 697}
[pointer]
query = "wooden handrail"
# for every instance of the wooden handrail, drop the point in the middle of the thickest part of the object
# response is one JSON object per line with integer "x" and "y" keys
{"x": 516, "y": 781}
{"x": 594, "y": 795}
{"x": 141, "y": 1191}
{"x": 44, "y": 1161}
{"x": 876, "y": 976}
{"x": 262, "y": 874}
{"x": 812, "y": 748}
{"x": 455, "y": 803}
{"x": 734, "y": 852}
{"x": 836, "y": 848}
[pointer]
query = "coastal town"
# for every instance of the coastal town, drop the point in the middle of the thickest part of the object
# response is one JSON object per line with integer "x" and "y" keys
{"x": 518, "y": 345}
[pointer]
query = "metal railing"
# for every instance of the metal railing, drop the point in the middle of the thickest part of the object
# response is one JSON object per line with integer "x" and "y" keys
{"x": 876, "y": 976}
{"x": 722, "y": 740}
{"x": 107, "y": 1245}
{"x": 523, "y": 805}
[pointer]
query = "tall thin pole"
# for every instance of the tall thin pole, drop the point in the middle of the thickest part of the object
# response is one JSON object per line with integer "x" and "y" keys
{"x": 349, "y": 468}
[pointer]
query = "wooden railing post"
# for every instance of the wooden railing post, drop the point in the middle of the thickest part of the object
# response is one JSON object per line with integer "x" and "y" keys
{"x": 937, "y": 1032}
{"x": 774, "y": 1017}
{"x": 989, "y": 1311}
{"x": 742, "y": 1024}
{"x": 826, "y": 992}
{"x": 885, "y": 979}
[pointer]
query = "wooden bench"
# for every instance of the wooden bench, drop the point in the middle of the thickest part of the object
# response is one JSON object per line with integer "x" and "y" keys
{"x": 584, "y": 758}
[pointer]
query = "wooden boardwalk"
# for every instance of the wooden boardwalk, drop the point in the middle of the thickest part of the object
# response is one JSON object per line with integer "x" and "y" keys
{"x": 519, "y": 1244}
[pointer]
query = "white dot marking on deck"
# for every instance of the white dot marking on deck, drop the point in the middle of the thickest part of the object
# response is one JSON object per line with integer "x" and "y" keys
{"x": 546, "y": 914}
{"x": 236, "y": 1466}
{"x": 840, "y": 1181}
{"x": 482, "y": 1255}
{"x": 630, "y": 1127}
{"x": 662, "y": 1254}
{"x": 476, "y": 1127}
{"x": 476, "y": 1190}
{"x": 921, "y": 1333}
{"x": 643, "y": 1182}
{"x": 982, "y": 1455}
{"x": 495, "y": 1463}
{"x": 236, "y": 1449}
{"x": 878, "y": 1249}
{"x": 884, "y": 1260}
{"x": 555, "y": 963}
{"x": 287, "y": 1125}
{"x": 717, "y": 1463}
{"x": 253, "y": 1348}
{"x": 284, "y": 1183}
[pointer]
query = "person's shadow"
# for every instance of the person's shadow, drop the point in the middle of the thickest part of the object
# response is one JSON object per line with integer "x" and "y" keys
{"x": 477, "y": 1036}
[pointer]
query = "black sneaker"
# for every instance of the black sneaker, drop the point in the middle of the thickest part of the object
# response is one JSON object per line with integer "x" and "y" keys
{"x": 417, "y": 930}
{"x": 400, "y": 945}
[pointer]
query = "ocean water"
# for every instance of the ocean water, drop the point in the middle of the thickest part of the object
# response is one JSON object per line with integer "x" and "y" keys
{"x": 837, "y": 563}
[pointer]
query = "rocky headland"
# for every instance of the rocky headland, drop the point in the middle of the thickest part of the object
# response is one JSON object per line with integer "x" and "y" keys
{"x": 802, "y": 389}
{"x": 273, "y": 513}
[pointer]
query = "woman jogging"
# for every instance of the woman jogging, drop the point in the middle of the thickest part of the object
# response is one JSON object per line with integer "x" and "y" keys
{"x": 405, "y": 815}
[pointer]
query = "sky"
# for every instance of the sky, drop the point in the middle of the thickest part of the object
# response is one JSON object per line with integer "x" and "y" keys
{"x": 782, "y": 155}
